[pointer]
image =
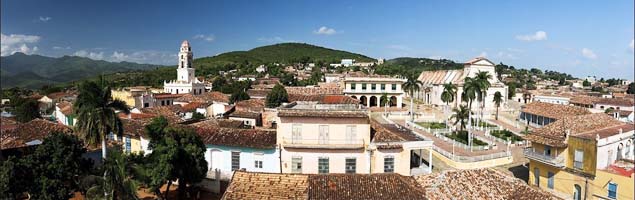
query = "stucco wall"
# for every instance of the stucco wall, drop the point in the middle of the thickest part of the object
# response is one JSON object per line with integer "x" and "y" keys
{"x": 337, "y": 160}
{"x": 219, "y": 157}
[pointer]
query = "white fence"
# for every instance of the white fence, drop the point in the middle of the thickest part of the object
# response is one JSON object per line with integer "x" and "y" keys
{"x": 471, "y": 158}
{"x": 440, "y": 133}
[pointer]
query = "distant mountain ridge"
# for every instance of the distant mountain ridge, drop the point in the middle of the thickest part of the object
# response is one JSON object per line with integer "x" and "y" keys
{"x": 34, "y": 71}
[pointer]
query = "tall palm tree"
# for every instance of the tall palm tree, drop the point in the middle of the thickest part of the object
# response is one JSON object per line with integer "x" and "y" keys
{"x": 483, "y": 84}
{"x": 96, "y": 116}
{"x": 498, "y": 99}
{"x": 411, "y": 86}
{"x": 461, "y": 114}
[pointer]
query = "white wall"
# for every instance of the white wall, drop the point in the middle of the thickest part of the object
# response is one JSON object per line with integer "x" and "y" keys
{"x": 219, "y": 157}
{"x": 608, "y": 148}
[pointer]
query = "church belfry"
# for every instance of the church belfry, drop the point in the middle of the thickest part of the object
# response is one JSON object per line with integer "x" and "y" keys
{"x": 185, "y": 70}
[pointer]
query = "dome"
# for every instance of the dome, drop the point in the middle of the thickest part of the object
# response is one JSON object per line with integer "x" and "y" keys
{"x": 185, "y": 43}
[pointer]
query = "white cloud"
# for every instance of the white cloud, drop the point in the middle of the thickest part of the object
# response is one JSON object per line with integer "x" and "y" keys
{"x": 89, "y": 54}
{"x": 12, "y": 43}
{"x": 44, "y": 19}
{"x": 632, "y": 45}
{"x": 325, "y": 31}
{"x": 209, "y": 38}
{"x": 483, "y": 54}
{"x": 588, "y": 53}
{"x": 539, "y": 35}
{"x": 60, "y": 48}
{"x": 118, "y": 56}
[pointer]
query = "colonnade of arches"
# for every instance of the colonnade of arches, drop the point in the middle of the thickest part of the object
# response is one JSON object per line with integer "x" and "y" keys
{"x": 374, "y": 100}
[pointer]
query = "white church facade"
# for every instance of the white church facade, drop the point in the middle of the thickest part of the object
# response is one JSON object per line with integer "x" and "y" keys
{"x": 433, "y": 84}
{"x": 186, "y": 81}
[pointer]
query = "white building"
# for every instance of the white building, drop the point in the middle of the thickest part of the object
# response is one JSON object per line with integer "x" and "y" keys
{"x": 552, "y": 99}
{"x": 433, "y": 83}
{"x": 186, "y": 81}
{"x": 261, "y": 69}
{"x": 369, "y": 89}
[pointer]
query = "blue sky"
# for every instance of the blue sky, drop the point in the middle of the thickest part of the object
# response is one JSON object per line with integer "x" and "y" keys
{"x": 578, "y": 37}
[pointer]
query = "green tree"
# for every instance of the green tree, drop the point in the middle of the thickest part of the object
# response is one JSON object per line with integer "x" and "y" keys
{"x": 631, "y": 88}
{"x": 177, "y": 154}
{"x": 461, "y": 114}
{"x": 12, "y": 182}
{"x": 586, "y": 83}
{"x": 448, "y": 94}
{"x": 511, "y": 91}
{"x": 119, "y": 183}
{"x": 26, "y": 110}
{"x": 54, "y": 167}
{"x": 239, "y": 95}
{"x": 277, "y": 96}
{"x": 498, "y": 99}
{"x": 383, "y": 100}
{"x": 197, "y": 116}
{"x": 411, "y": 86}
{"x": 483, "y": 84}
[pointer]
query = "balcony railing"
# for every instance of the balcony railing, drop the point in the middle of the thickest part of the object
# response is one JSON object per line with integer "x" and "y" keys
{"x": 322, "y": 143}
{"x": 540, "y": 157}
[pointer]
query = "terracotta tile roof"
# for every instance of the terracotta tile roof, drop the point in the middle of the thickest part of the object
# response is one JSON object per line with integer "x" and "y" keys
{"x": 167, "y": 96}
{"x": 245, "y": 114}
{"x": 136, "y": 115}
{"x": 621, "y": 113}
{"x": 554, "y": 134}
{"x": 391, "y": 133}
{"x": 363, "y": 186}
{"x": 170, "y": 112}
{"x": 616, "y": 101}
{"x": 313, "y": 90}
{"x": 216, "y": 123}
{"x": 254, "y": 105}
{"x": 437, "y": 77}
{"x": 247, "y": 185}
{"x": 585, "y": 100}
{"x": 207, "y": 97}
{"x": 553, "y": 111}
{"x": 191, "y": 107}
{"x": 66, "y": 108}
{"x": 321, "y": 113}
{"x": 58, "y": 95}
{"x": 36, "y": 129}
{"x": 258, "y": 93}
{"x": 475, "y": 60}
{"x": 324, "y": 99}
{"x": 134, "y": 127}
{"x": 254, "y": 138}
{"x": 478, "y": 184}
{"x": 7, "y": 123}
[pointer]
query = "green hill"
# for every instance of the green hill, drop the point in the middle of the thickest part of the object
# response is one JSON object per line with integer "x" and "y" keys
{"x": 415, "y": 65}
{"x": 244, "y": 61}
{"x": 34, "y": 71}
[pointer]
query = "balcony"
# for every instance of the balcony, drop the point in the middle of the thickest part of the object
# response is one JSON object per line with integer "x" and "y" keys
{"x": 540, "y": 157}
{"x": 322, "y": 144}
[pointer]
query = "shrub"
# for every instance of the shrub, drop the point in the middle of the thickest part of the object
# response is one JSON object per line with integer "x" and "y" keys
{"x": 462, "y": 137}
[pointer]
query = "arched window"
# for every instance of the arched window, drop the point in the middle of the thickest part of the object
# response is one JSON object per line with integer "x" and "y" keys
{"x": 537, "y": 176}
{"x": 577, "y": 192}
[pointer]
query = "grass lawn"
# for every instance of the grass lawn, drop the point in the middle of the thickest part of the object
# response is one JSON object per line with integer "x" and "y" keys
{"x": 506, "y": 135}
{"x": 461, "y": 136}
{"x": 432, "y": 125}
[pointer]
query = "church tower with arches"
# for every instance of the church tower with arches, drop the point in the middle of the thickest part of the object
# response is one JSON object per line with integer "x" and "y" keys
{"x": 186, "y": 81}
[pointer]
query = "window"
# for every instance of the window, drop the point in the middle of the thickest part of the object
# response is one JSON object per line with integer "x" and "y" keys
{"x": 577, "y": 192}
{"x": 111, "y": 136}
{"x": 612, "y": 190}
{"x": 363, "y": 86}
{"x": 145, "y": 105}
{"x": 258, "y": 160}
{"x": 537, "y": 177}
{"x": 235, "y": 160}
{"x": 353, "y": 86}
{"x": 383, "y": 87}
{"x": 296, "y": 165}
{"x": 351, "y": 134}
{"x": 162, "y": 102}
{"x": 578, "y": 159}
{"x": 550, "y": 180}
{"x": 351, "y": 165}
{"x": 323, "y": 138}
{"x": 547, "y": 151}
{"x": 323, "y": 165}
{"x": 296, "y": 136}
{"x": 373, "y": 86}
{"x": 128, "y": 144}
{"x": 389, "y": 164}
{"x": 394, "y": 87}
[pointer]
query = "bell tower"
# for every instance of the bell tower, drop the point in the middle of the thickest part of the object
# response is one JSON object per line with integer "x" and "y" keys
{"x": 185, "y": 70}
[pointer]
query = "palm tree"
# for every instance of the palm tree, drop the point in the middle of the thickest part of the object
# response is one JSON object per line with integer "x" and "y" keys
{"x": 118, "y": 184}
{"x": 461, "y": 114}
{"x": 483, "y": 84}
{"x": 383, "y": 101}
{"x": 96, "y": 115}
{"x": 411, "y": 86}
{"x": 449, "y": 92}
{"x": 498, "y": 99}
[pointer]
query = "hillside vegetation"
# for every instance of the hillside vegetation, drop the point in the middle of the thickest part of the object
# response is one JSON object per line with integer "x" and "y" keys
{"x": 406, "y": 65}
{"x": 35, "y": 71}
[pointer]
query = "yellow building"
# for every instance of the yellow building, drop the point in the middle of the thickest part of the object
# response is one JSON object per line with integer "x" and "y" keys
{"x": 132, "y": 140}
{"x": 128, "y": 94}
{"x": 583, "y": 157}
